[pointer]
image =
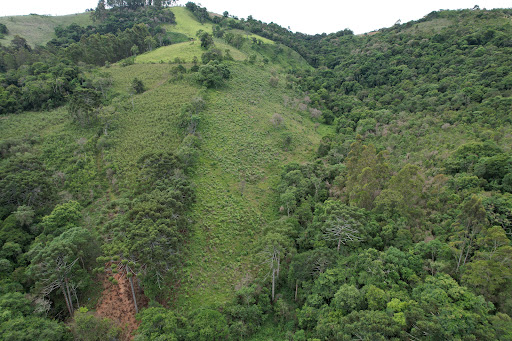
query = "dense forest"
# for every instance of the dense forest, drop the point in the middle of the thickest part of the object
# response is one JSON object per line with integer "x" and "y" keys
{"x": 174, "y": 174}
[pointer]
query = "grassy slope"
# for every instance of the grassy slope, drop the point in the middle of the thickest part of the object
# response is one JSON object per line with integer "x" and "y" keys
{"x": 240, "y": 144}
{"x": 252, "y": 35}
{"x": 147, "y": 122}
{"x": 39, "y": 29}
{"x": 185, "y": 51}
{"x": 186, "y": 23}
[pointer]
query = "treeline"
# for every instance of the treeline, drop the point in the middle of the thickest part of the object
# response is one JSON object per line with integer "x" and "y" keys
{"x": 133, "y": 4}
{"x": 378, "y": 233}
{"x": 306, "y": 45}
{"x": 47, "y": 255}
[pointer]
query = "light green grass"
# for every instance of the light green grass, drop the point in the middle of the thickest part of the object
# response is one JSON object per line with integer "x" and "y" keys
{"x": 186, "y": 51}
{"x": 15, "y": 126}
{"x": 186, "y": 23}
{"x": 40, "y": 29}
{"x": 146, "y": 122}
{"x": 239, "y": 145}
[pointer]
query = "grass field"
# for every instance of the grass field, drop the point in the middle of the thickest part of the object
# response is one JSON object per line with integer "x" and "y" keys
{"x": 39, "y": 29}
{"x": 185, "y": 51}
{"x": 146, "y": 122}
{"x": 242, "y": 154}
{"x": 186, "y": 23}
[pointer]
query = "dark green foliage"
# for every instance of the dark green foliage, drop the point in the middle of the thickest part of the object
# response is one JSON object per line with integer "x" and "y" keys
{"x": 205, "y": 38}
{"x": 60, "y": 264}
{"x": 19, "y": 322}
{"x": 357, "y": 271}
{"x": 234, "y": 39}
{"x": 207, "y": 324}
{"x": 84, "y": 106}
{"x": 24, "y": 180}
{"x": 33, "y": 328}
{"x": 3, "y": 29}
{"x": 157, "y": 322}
{"x": 138, "y": 86}
{"x": 218, "y": 32}
{"x": 249, "y": 311}
{"x": 199, "y": 12}
{"x": 213, "y": 74}
{"x": 212, "y": 54}
{"x": 146, "y": 233}
{"x": 43, "y": 85}
{"x": 121, "y": 16}
{"x": 87, "y": 327}
{"x": 51, "y": 73}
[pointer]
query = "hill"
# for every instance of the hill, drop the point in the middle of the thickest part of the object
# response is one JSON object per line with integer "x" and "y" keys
{"x": 39, "y": 29}
{"x": 191, "y": 176}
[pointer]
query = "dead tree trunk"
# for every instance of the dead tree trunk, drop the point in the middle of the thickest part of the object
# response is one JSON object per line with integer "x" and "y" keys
{"x": 273, "y": 284}
{"x": 70, "y": 300}
{"x": 63, "y": 288}
{"x": 130, "y": 278}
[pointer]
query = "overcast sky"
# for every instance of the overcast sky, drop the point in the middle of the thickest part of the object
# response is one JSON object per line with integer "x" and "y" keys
{"x": 308, "y": 17}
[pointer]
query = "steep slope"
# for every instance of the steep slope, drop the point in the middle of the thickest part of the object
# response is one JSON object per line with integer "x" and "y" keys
{"x": 242, "y": 154}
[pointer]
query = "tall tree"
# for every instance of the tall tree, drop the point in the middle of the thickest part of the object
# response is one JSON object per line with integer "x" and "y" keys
{"x": 471, "y": 221}
{"x": 367, "y": 173}
{"x": 59, "y": 264}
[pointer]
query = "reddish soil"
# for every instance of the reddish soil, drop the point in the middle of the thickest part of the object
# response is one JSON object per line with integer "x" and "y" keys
{"x": 116, "y": 303}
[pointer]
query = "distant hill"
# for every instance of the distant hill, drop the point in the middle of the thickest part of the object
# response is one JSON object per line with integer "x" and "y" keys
{"x": 40, "y": 29}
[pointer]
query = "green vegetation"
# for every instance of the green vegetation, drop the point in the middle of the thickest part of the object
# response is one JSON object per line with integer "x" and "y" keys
{"x": 186, "y": 23}
{"x": 39, "y": 29}
{"x": 328, "y": 187}
{"x": 185, "y": 53}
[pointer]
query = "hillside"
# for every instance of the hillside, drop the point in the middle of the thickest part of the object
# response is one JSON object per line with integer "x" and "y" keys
{"x": 173, "y": 174}
{"x": 39, "y": 29}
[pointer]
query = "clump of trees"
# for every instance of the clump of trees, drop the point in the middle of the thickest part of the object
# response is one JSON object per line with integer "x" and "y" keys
{"x": 138, "y": 86}
{"x": 213, "y": 74}
{"x": 201, "y": 13}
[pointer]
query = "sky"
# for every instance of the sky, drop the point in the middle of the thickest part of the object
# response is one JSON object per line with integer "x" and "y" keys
{"x": 310, "y": 17}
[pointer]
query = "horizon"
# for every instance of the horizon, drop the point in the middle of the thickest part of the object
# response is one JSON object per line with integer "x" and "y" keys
{"x": 310, "y": 20}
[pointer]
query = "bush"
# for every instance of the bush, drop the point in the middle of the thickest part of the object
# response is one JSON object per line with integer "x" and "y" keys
{"x": 213, "y": 74}
{"x": 211, "y": 55}
{"x": 138, "y": 86}
{"x": 274, "y": 81}
{"x": 88, "y": 327}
